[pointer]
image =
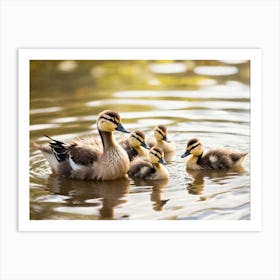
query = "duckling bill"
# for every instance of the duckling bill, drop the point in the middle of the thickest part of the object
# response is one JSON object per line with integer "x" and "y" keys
{"x": 90, "y": 159}
{"x": 213, "y": 159}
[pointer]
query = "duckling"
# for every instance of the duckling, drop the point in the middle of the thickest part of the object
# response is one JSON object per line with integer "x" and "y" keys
{"x": 135, "y": 145}
{"x": 90, "y": 159}
{"x": 150, "y": 169}
{"x": 213, "y": 159}
{"x": 160, "y": 139}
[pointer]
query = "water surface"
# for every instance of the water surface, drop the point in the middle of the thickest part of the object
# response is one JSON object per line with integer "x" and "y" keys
{"x": 205, "y": 99}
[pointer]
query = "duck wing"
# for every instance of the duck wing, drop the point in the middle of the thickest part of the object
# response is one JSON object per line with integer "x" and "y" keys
{"x": 216, "y": 159}
{"x": 85, "y": 151}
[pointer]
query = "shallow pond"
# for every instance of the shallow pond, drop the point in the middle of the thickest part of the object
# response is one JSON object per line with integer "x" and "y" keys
{"x": 205, "y": 99}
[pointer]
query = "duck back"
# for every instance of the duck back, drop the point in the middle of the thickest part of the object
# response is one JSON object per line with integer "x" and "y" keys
{"x": 220, "y": 159}
{"x": 141, "y": 168}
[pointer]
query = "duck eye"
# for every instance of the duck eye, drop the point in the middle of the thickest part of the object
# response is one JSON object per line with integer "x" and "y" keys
{"x": 158, "y": 155}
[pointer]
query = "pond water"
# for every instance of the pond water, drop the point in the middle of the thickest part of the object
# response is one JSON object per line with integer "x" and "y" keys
{"x": 205, "y": 99}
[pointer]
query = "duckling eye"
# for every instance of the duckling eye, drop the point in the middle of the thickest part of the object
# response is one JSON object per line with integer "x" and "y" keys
{"x": 156, "y": 155}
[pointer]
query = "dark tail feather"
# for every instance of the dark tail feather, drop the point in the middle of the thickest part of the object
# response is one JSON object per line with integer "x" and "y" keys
{"x": 59, "y": 149}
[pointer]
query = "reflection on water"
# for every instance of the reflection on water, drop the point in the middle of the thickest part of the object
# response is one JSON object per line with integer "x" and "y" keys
{"x": 88, "y": 198}
{"x": 205, "y": 99}
{"x": 217, "y": 176}
{"x": 156, "y": 191}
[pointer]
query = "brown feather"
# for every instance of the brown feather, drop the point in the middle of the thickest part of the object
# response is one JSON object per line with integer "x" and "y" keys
{"x": 224, "y": 159}
{"x": 141, "y": 168}
{"x": 237, "y": 156}
{"x": 86, "y": 151}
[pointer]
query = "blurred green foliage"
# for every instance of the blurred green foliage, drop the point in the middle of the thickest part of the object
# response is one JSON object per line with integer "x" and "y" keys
{"x": 123, "y": 75}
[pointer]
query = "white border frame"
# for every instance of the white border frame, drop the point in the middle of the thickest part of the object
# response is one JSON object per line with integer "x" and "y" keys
{"x": 24, "y": 57}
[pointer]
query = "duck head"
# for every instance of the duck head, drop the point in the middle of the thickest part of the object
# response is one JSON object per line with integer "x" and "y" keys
{"x": 137, "y": 139}
{"x": 160, "y": 133}
{"x": 109, "y": 121}
{"x": 194, "y": 147}
{"x": 156, "y": 155}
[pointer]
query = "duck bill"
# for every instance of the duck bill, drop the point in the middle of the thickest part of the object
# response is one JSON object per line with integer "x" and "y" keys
{"x": 185, "y": 154}
{"x": 121, "y": 128}
{"x": 144, "y": 145}
{"x": 164, "y": 138}
{"x": 162, "y": 161}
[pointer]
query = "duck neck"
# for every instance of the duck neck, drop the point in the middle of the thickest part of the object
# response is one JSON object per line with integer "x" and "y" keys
{"x": 108, "y": 140}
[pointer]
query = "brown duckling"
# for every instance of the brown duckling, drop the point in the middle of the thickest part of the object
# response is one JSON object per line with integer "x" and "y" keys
{"x": 160, "y": 140}
{"x": 150, "y": 168}
{"x": 135, "y": 145}
{"x": 213, "y": 159}
{"x": 90, "y": 159}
